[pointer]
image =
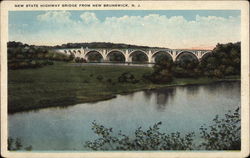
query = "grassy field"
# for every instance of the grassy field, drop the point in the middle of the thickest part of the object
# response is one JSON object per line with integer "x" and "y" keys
{"x": 66, "y": 84}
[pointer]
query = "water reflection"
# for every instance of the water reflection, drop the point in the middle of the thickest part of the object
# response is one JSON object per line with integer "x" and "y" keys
{"x": 193, "y": 90}
{"x": 130, "y": 95}
{"x": 162, "y": 96}
{"x": 182, "y": 108}
{"x": 226, "y": 87}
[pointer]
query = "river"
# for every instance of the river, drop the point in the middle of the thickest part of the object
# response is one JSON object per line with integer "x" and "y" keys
{"x": 180, "y": 108}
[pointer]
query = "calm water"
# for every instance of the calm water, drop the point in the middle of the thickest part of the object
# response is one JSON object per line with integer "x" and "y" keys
{"x": 183, "y": 109}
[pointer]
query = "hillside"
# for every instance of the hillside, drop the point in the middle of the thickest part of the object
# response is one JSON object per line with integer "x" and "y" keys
{"x": 102, "y": 45}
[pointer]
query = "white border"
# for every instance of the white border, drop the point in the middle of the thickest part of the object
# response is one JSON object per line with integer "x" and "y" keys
{"x": 147, "y": 5}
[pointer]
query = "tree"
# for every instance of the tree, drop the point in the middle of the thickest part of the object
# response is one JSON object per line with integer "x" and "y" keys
{"x": 224, "y": 60}
{"x": 162, "y": 72}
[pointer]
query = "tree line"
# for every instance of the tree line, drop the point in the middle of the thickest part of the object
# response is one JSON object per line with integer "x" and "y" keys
{"x": 30, "y": 56}
{"x": 107, "y": 45}
{"x": 224, "y": 60}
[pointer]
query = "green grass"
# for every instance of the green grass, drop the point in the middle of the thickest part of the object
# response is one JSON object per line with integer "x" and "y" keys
{"x": 65, "y": 84}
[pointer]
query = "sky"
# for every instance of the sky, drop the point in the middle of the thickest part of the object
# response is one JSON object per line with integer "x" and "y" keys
{"x": 176, "y": 29}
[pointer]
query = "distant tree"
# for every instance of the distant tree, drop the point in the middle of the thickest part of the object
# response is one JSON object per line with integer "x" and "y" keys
{"x": 162, "y": 72}
{"x": 224, "y": 60}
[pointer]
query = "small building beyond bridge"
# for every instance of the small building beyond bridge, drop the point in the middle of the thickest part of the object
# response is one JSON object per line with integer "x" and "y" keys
{"x": 150, "y": 54}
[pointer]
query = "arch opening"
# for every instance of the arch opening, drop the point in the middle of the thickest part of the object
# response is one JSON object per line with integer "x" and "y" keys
{"x": 185, "y": 57}
{"x": 161, "y": 56}
{"x": 94, "y": 56}
{"x": 206, "y": 55}
{"x": 116, "y": 57}
{"x": 187, "y": 62}
{"x": 138, "y": 57}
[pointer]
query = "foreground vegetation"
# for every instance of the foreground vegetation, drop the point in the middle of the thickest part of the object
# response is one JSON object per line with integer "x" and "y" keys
{"x": 65, "y": 84}
{"x": 223, "y": 134}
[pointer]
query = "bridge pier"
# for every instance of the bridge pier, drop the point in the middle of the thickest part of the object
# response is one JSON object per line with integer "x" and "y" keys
{"x": 150, "y": 57}
{"x": 127, "y": 58}
{"x": 174, "y": 55}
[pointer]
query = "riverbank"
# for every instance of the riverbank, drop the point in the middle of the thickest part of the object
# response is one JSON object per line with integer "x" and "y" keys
{"x": 65, "y": 84}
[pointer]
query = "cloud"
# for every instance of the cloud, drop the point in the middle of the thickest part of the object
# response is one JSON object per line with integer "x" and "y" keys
{"x": 55, "y": 17}
{"x": 151, "y": 30}
{"x": 89, "y": 18}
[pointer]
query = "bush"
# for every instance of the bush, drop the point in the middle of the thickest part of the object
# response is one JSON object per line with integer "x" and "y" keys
{"x": 218, "y": 74}
{"x": 85, "y": 81}
{"x": 109, "y": 80}
{"x": 99, "y": 77}
{"x": 224, "y": 134}
{"x": 151, "y": 139}
{"x": 229, "y": 70}
{"x": 16, "y": 144}
{"x": 127, "y": 77}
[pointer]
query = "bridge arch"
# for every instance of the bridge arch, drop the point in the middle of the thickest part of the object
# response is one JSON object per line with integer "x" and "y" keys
{"x": 204, "y": 55}
{"x": 167, "y": 55}
{"x": 134, "y": 56}
{"x": 178, "y": 57}
{"x": 94, "y": 56}
{"x": 118, "y": 56}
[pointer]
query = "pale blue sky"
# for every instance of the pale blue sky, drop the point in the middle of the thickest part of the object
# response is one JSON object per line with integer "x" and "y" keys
{"x": 167, "y": 28}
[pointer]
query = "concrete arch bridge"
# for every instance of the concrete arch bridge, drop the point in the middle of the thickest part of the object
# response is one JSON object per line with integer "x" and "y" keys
{"x": 128, "y": 54}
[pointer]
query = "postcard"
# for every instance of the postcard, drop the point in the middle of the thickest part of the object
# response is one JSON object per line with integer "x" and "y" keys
{"x": 125, "y": 79}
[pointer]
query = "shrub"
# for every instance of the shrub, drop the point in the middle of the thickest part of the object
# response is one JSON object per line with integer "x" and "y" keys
{"x": 223, "y": 134}
{"x": 218, "y": 74}
{"x": 109, "y": 80}
{"x": 127, "y": 77}
{"x": 85, "y": 81}
{"x": 151, "y": 139}
{"x": 99, "y": 77}
{"x": 16, "y": 144}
